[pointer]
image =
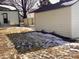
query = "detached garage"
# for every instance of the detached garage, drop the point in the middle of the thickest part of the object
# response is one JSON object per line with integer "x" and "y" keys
{"x": 62, "y": 19}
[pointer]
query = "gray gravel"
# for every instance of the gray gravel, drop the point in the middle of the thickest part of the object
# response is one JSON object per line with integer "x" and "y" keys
{"x": 26, "y": 41}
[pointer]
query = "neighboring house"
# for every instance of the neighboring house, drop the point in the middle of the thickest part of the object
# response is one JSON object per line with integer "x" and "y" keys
{"x": 8, "y": 17}
{"x": 61, "y": 19}
{"x": 29, "y": 21}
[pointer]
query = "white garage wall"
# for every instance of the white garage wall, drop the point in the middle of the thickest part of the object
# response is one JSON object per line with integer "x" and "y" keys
{"x": 75, "y": 20}
{"x": 58, "y": 20}
{"x": 12, "y": 17}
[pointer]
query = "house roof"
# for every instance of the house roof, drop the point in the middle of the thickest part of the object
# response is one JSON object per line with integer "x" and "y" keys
{"x": 8, "y": 8}
{"x": 56, "y": 6}
{"x": 4, "y": 9}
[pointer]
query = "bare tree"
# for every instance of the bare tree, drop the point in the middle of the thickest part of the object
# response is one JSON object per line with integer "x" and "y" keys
{"x": 26, "y": 6}
{"x": 1, "y": 1}
{"x": 23, "y": 6}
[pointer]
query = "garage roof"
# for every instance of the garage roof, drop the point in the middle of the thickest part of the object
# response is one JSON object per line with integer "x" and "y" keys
{"x": 58, "y": 5}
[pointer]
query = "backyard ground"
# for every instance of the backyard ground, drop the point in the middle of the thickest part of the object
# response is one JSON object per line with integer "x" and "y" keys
{"x": 9, "y": 50}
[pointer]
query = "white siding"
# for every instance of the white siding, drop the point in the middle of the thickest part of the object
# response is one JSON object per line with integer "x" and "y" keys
{"x": 12, "y": 17}
{"x": 75, "y": 20}
{"x": 1, "y": 18}
{"x": 58, "y": 20}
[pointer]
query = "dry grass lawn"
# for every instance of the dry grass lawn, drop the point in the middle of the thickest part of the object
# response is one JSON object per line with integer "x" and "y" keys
{"x": 7, "y": 50}
{"x": 9, "y": 30}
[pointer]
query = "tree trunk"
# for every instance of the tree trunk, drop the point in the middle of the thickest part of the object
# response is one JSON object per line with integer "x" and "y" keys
{"x": 24, "y": 14}
{"x": 24, "y": 8}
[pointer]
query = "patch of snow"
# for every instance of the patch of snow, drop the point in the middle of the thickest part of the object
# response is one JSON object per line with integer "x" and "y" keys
{"x": 75, "y": 44}
{"x": 9, "y": 7}
{"x": 77, "y": 50}
{"x": 54, "y": 1}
